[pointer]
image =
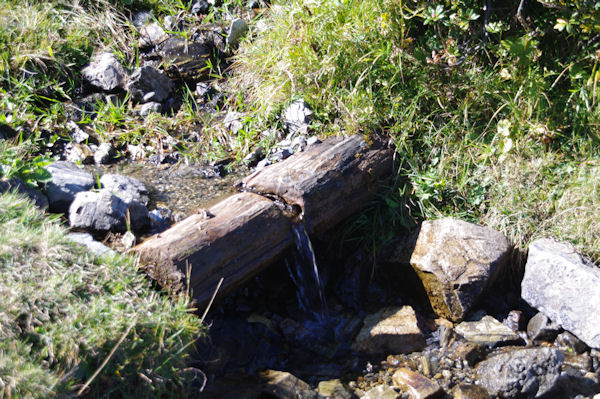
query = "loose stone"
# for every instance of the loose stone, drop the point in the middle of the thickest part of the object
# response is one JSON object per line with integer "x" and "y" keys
{"x": 105, "y": 72}
{"x": 104, "y": 211}
{"x": 334, "y": 389}
{"x": 284, "y": 385}
{"x": 487, "y": 331}
{"x": 152, "y": 35}
{"x": 468, "y": 391}
{"x": 391, "y": 330}
{"x": 540, "y": 328}
{"x": 147, "y": 84}
{"x": 381, "y": 392}
{"x": 418, "y": 386}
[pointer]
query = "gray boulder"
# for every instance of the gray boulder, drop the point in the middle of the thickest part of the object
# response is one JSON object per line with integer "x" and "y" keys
{"x": 565, "y": 287}
{"x": 19, "y": 186}
{"x": 104, "y": 211}
{"x": 105, "y": 72}
{"x": 522, "y": 373}
{"x": 125, "y": 187}
{"x": 67, "y": 180}
{"x": 456, "y": 260}
{"x": 147, "y": 84}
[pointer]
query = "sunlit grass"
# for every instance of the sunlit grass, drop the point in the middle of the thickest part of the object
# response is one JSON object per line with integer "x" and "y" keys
{"x": 63, "y": 310}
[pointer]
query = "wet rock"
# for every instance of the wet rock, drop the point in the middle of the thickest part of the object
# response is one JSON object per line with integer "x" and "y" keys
{"x": 92, "y": 245}
{"x": 104, "y": 154}
{"x": 487, "y": 331}
{"x": 297, "y": 116}
{"x": 394, "y": 330}
{"x": 284, "y": 385}
{"x": 456, "y": 260}
{"x": 381, "y": 392}
{"x": 522, "y": 373}
{"x": 152, "y": 35}
{"x": 67, "y": 180}
{"x": 105, "y": 72}
{"x": 418, "y": 386}
{"x": 469, "y": 391}
{"x": 237, "y": 30}
{"x": 540, "y": 328}
{"x": 15, "y": 184}
{"x": 334, "y": 389}
{"x": 565, "y": 287}
{"x": 147, "y": 84}
{"x": 571, "y": 342}
{"x": 104, "y": 211}
{"x": 151, "y": 107}
{"x": 185, "y": 60}
{"x": 125, "y": 187}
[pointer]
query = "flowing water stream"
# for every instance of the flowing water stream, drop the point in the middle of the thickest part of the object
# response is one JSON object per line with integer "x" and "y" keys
{"x": 304, "y": 272}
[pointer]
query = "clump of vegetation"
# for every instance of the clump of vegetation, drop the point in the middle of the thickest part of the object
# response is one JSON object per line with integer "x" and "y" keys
{"x": 494, "y": 111}
{"x": 66, "y": 314}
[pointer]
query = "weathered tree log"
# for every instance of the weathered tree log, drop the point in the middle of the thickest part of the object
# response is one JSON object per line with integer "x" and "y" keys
{"x": 241, "y": 235}
{"x": 235, "y": 239}
{"x": 329, "y": 181}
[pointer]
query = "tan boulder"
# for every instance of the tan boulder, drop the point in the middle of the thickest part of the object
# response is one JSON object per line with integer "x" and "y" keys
{"x": 456, "y": 260}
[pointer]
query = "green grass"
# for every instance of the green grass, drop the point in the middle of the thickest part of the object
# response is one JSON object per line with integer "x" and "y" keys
{"x": 509, "y": 138}
{"x": 63, "y": 310}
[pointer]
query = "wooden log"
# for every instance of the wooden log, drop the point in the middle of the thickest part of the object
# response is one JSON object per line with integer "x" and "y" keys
{"x": 235, "y": 239}
{"x": 328, "y": 181}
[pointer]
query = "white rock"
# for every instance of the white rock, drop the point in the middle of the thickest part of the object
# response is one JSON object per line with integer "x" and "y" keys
{"x": 105, "y": 72}
{"x": 565, "y": 287}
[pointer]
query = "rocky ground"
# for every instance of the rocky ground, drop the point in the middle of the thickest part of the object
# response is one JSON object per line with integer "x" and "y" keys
{"x": 480, "y": 338}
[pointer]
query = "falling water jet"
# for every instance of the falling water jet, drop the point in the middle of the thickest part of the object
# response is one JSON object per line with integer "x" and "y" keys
{"x": 304, "y": 272}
